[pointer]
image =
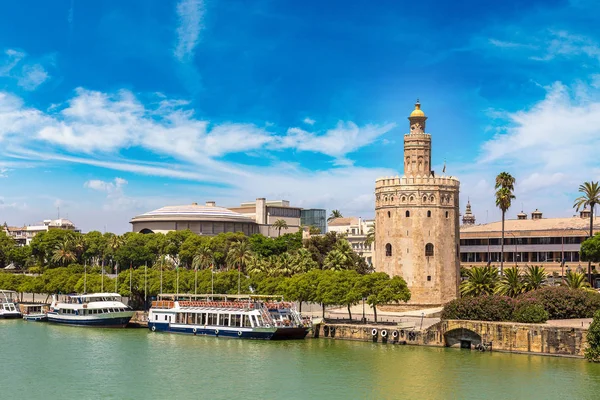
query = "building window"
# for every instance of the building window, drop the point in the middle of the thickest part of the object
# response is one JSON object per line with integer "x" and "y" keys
{"x": 407, "y": 214}
{"x": 428, "y": 278}
{"x": 389, "y": 214}
{"x": 429, "y": 250}
{"x": 388, "y": 250}
{"x": 447, "y": 214}
{"x": 428, "y": 214}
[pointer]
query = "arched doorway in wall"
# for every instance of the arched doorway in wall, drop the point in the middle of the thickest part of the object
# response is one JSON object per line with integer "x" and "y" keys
{"x": 146, "y": 231}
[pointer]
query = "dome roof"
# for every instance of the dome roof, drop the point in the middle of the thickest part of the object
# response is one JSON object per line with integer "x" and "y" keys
{"x": 417, "y": 112}
{"x": 193, "y": 212}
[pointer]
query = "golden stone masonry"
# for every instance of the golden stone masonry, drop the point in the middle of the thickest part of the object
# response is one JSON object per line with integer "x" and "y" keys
{"x": 417, "y": 222}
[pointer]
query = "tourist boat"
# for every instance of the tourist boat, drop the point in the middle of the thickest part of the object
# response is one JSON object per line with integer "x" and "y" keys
{"x": 97, "y": 309}
{"x": 8, "y": 304}
{"x": 34, "y": 312}
{"x": 234, "y": 316}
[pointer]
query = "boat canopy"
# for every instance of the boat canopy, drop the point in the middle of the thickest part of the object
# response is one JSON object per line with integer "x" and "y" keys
{"x": 187, "y": 296}
{"x": 94, "y": 295}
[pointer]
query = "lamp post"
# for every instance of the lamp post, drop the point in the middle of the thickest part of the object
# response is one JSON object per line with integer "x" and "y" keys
{"x": 363, "y": 318}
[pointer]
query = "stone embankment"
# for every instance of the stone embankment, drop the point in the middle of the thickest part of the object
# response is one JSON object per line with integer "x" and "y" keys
{"x": 542, "y": 339}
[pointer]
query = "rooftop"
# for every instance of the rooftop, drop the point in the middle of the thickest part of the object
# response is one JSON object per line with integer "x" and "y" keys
{"x": 208, "y": 212}
{"x": 542, "y": 224}
{"x": 343, "y": 221}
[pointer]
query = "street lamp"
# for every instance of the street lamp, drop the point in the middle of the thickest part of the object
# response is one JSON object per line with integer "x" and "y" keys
{"x": 363, "y": 318}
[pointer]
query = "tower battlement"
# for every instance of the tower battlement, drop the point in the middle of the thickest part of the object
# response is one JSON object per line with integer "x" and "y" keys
{"x": 392, "y": 181}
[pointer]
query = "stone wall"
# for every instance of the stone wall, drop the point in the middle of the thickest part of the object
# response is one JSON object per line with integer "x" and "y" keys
{"x": 503, "y": 336}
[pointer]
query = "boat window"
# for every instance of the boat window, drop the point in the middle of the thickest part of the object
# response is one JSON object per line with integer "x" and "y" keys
{"x": 247, "y": 321}
{"x": 165, "y": 317}
{"x": 225, "y": 319}
{"x": 235, "y": 320}
{"x": 212, "y": 319}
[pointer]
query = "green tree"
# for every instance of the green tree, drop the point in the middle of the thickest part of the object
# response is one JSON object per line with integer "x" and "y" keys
{"x": 534, "y": 278}
{"x": 589, "y": 198}
{"x": 592, "y": 352}
{"x": 576, "y": 280}
{"x": 7, "y": 244}
{"x": 480, "y": 281}
{"x": 45, "y": 243}
{"x": 334, "y": 214}
{"x": 20, "y": 256}
{"x": 279, "y": 225}
{"x": 590, "y": 249}
{"x": 505, "y": 185}
{"x": 511, "y": 283}
{"x": 379, "y": 289}
{"x": 302, "y": 287}
{"x": 203, "y": 258}
{"x": 95, "y": 247}
{"x": 239, "y": 254}
{"x": 63, "y": 253}
{"x": 370, "y": 239}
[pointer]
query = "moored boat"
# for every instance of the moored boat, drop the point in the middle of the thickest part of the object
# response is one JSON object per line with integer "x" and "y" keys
{"x": 8, "y": 304}
{"x": 34, "y": 312}
{"x": 235, "y": 316}
{"x": 97, "y": 309}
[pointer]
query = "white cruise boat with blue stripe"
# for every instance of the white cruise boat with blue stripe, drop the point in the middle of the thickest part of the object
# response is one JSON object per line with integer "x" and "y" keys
{"x": 234, "y": 316}
{"x": 97, "y": 309}
{"x": 8, "y": 305}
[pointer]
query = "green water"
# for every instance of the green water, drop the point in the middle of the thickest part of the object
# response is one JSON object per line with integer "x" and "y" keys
{"x": 43, "y": 361}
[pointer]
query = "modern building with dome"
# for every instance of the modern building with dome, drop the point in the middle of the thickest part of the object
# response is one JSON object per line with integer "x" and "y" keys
{"x": 208, "y": 220}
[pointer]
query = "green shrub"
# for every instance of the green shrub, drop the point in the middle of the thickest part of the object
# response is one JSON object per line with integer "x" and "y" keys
{"x": 529, "y": 312}
{"x": 480, "y": 308}
{"x": 592, "y": 352}
{"x": 561, "y": 302}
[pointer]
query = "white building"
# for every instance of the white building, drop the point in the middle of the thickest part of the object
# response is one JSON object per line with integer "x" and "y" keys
{"x": 24, "y": 235}
{"x": 356, "y": 230}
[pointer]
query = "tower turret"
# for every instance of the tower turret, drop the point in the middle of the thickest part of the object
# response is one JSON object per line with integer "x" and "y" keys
{"x": 468, "y": 218}
{"x": 417, "y": 145}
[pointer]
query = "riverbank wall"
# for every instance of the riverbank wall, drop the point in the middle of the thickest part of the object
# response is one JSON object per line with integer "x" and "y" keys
{"x": 511, "y": 337}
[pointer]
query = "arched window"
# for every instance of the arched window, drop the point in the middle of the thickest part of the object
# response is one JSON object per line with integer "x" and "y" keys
{"x": 388, "y": 250}
{"x": 407, "y": 213}
{"x": 429, "y": 250}
{"x": 389, "y": 214}
{"x": 447, "y": 214}
{"x": 428, "y": 214}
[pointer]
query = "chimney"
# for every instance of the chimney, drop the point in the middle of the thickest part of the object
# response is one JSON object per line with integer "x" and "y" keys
{"x": 585, "y": 213}
{"x": 537, "y": 214}
{"x": 210, "y": 204}
{"x": 521, "y": 215}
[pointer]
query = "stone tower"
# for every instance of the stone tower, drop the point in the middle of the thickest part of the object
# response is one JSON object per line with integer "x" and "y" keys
{"x": 417, "y": 222}
{"x": 468, "y": 218}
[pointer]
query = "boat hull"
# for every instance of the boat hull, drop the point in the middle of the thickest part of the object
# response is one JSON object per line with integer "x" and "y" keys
{"x": 35, "y": 317}
{"x": 263, "y": 334}
{"x": 109, "y": 322}
{"x": 10, "y": 315}
{"x": 290, "y": 333}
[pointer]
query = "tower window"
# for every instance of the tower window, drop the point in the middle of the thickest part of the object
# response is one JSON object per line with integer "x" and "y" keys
{"x": 388, "y": 250}
{"x": 389, "y": 214}
{"x": 429, "y": 250}
{"x": 407, "y": 213}
{"x": 447, "y": 214}
{"x": 428, "y": 278}
{"x": 428, "y": 214}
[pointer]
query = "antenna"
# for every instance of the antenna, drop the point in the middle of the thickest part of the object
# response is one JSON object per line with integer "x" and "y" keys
{"x": 58, "y": 212}
{"x": 486, "y": 216}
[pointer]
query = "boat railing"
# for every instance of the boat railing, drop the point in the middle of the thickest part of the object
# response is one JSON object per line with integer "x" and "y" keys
{"x": 218, "y": 304}
{"x": 163, "y": 304}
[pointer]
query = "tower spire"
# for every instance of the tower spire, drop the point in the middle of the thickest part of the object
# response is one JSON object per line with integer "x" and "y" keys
{"x": 417, "y": 145}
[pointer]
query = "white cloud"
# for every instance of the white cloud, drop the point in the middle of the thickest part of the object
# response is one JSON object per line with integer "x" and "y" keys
{"x": 190, "y": 14}
{"x": 345, "y": 138}
{"x": 309, "y": 121}
{"x": 115, "y": 194}
{"x": 28, "y": 75}
{"x": 108, "y": 187}
{"x": 3, "y": 172}
{"x": 32, "y": 76}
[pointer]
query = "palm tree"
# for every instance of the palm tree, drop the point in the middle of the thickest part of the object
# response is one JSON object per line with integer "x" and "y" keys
{"x": 335, "y": 260}
{"x": 279, "y": 225}
{"x": 78, "y": 245}
{"x": 590, "y": 197}
{"x": 480, "y": 281}
{"x": 576, "y": 280}
{"x": 334, "y": 214}
{"x": 511, "y": 283}
{"x": 63, "y": 253}
{"x": 239, "y": 254}
{"x": 203, "y": 258}
{"x": 505, "y": 185}
{"x": 534, "y": 278}
{"x": 370, "y": 239}
{"x": 303, "y": 260}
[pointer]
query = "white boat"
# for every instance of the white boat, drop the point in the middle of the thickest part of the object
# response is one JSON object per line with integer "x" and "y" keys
{"x": 234, "y": 316}
{"x": 34, "y": 312}
{"x": 97, "y": 309}
{"x": 8, "y": 304}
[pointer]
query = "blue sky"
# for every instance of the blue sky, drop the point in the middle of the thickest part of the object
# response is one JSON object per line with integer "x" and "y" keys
{"x": 110, "y": 109}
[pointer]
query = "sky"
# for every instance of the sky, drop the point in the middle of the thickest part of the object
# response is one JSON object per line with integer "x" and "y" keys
{"x": 111, "y": 109}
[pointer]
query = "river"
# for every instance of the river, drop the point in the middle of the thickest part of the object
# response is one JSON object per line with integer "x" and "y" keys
{"x": 44, "y": 361}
